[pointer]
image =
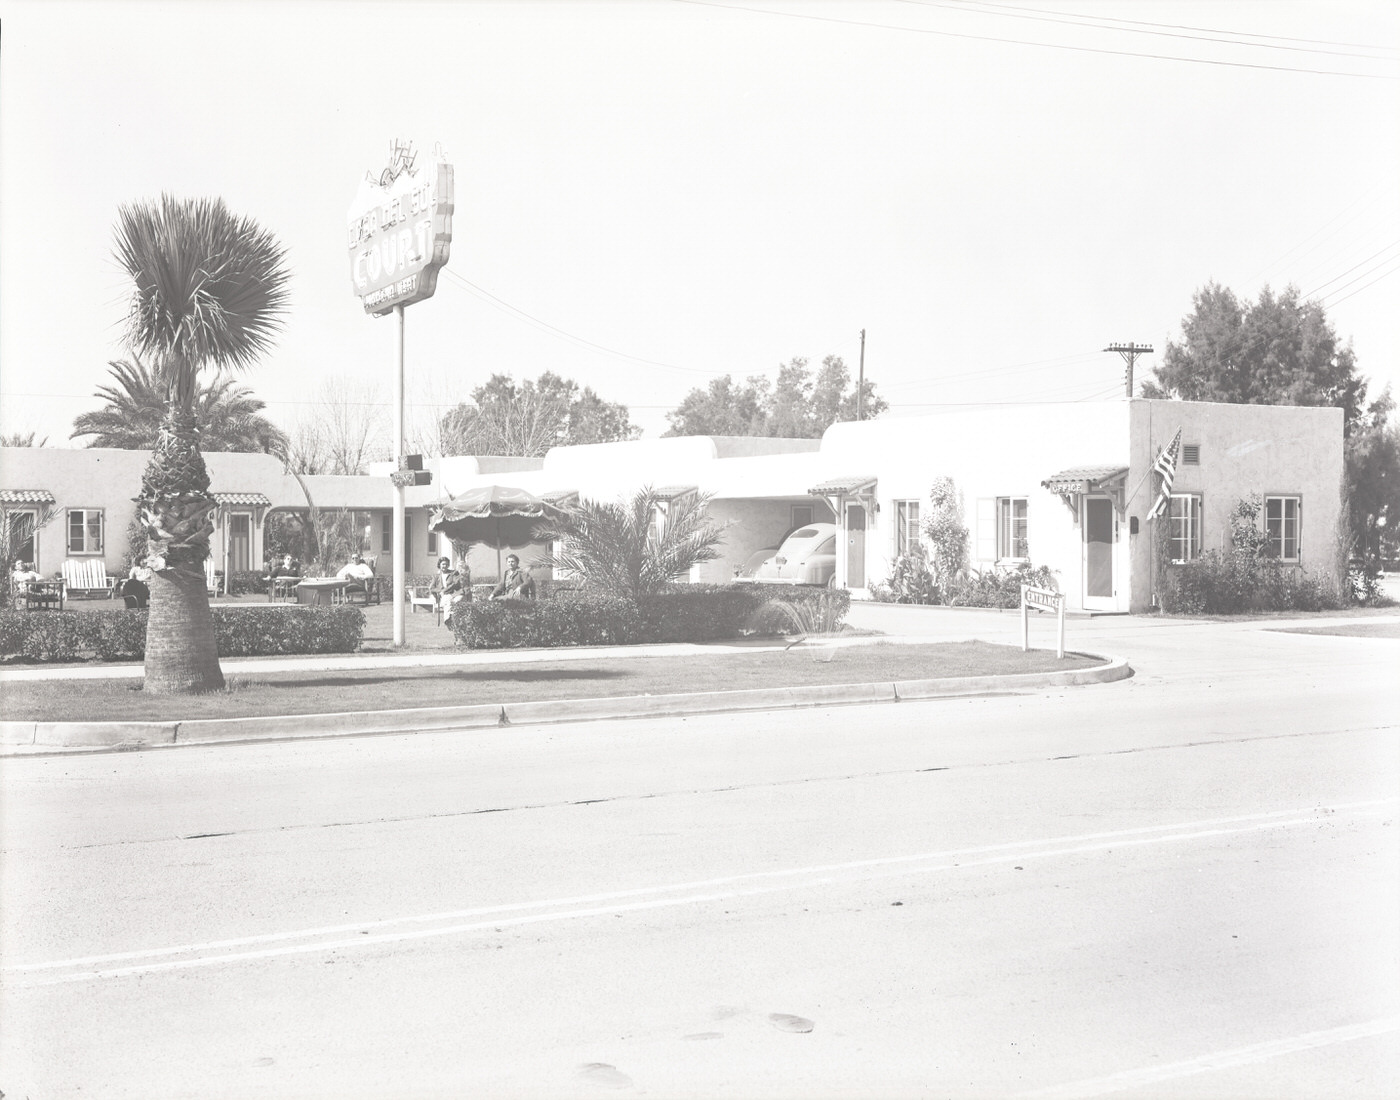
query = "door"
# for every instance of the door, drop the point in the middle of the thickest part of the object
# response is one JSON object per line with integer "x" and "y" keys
{"x": 240, "y": 542}
{"x": 24, "y": 527}
{"x": 1100, "y": 543}
{"x": 855, "y": 546}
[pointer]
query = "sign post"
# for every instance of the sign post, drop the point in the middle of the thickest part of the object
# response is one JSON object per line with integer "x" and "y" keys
{"x": 1042, "y": 599}
{"x": 400, "y": 234}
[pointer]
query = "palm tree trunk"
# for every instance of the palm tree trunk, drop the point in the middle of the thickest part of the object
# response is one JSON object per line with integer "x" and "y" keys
{"x": 175, "y": 508}
{"x": 182, "y": 655}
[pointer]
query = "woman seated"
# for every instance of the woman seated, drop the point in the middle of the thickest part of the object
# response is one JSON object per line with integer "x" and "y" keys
{"x": 450, "y": 587}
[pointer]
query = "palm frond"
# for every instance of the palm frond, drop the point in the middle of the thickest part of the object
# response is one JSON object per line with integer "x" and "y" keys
{"x": 210, "y": 288}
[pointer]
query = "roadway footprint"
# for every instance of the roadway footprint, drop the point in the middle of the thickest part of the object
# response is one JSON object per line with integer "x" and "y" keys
{"x": 604, "y": 1076}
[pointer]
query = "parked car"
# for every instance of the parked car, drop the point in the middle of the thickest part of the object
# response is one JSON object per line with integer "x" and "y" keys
{"x": 752, "y": 563}
{"x": 807, "y": 556}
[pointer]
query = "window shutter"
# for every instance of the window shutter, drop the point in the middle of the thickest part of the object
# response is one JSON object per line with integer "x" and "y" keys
{"x": 986, "y": 528}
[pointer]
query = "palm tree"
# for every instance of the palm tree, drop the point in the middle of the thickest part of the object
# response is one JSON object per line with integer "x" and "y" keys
{"x": 210, "y": 291}
{"x": 620, "y": 548}
{"x": 227, "y": 414}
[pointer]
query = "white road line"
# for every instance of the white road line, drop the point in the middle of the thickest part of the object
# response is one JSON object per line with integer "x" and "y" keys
{"x": 1207, "y": 1063}
{"x": 216, "y": 952}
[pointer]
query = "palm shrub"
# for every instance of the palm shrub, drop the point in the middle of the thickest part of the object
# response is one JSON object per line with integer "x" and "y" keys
{"x": 209, "y": 291}
{"x": 617, "y": 548}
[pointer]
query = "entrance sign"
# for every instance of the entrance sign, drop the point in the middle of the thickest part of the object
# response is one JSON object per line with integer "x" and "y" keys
{"x": 1042, "y": 599}
{"x": 400, "y": 231}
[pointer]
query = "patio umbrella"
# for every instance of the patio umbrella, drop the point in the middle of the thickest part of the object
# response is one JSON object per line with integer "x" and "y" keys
{"x": 496, "y": 515}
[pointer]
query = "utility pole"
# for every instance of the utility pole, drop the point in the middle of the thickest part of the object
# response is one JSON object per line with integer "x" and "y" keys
{"x": 1130, "y": 352}
{"x": 860, "y": 384}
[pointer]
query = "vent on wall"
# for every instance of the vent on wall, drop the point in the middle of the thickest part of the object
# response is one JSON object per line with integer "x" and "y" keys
{"x": 1191, "y": 454}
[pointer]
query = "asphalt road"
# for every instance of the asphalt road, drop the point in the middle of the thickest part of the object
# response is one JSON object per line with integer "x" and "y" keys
{"x": 1186, "y": 884}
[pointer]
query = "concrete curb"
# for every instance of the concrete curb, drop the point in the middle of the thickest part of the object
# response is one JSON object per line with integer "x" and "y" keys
{"x": 16, "y": 737}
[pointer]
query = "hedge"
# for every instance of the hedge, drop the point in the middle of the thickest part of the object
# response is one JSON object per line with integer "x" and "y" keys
{"x": 120, "y": 635}
{"x": 685, "y": 613}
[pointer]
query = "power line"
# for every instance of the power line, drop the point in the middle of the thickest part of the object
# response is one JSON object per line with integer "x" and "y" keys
{"x": 1158, "y": 30}
{"x": 1349, "y": 270}
{"x": 562, "y": 334}
{"x": 1367, "y": 286}
{"x": 1024, "y": 42}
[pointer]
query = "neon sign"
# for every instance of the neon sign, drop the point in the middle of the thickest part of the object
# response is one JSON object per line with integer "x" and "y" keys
{"x": 400, "y": 231}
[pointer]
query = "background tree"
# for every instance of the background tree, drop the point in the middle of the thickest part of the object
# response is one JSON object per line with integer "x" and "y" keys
{"x": 800, "y": 405}
{"x": 22, "y": 439}
{"x": 344, "y": 430}
{"x": 1282, "y": 351}
{"x": 209, "y": 291}
{"x": 528, "y": 419}
{"x": 616, "y": 548}
{"x": 227, "y": 415}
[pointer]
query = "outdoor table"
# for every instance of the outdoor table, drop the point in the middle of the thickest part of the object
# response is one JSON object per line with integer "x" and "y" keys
{"x": 321, "y": 590}
{"x": 281, "y": 588}
{"x": 43, "y": 594}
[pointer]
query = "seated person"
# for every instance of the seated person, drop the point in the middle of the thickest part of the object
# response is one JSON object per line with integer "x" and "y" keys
{"x": 288, "y": 567}
{"x": 517, "y": 584}
{"x": 450, "y": 586}
{"x": 134, "y": 591}
{"x": 358, "y": 573}
{"x": 20, "y": 580}
{"x": 355, "y": 570}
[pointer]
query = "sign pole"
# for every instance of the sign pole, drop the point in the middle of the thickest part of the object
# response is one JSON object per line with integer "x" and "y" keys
{"x": 1025, "y": 621}
{"x": 399, "y": 563}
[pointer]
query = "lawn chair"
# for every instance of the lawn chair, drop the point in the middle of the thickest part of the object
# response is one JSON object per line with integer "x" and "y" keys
{"x": 420, "y": 596}
{"x": 211, "y": 577}
{"x": 39, "y": 595}
{"x": 87, "y": 578}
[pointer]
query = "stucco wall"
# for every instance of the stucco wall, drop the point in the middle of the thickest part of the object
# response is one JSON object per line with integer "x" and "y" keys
{"x": 997, "y": 451}
{"x": 1265, "y": 449}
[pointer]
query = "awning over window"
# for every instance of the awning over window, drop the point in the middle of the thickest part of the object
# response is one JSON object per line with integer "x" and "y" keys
{"x": 668, "y": 493}
{"x": 1086, "y": 479}
{"x": 561, "y": 498}
{"x": 26, "y": 496}
{"x": 242, "y": 498}
{"x": 855, "y": 485}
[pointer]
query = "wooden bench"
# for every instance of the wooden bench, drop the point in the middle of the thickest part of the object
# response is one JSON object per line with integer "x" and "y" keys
{"x": 87, "y": 578}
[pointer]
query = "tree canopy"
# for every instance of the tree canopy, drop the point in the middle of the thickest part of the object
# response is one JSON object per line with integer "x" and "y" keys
{"x": 1279, "y": 350}
{"x": 799, "y": 405}
{"x": 528, "y": 419}
{"x": 227, "y": 415}
{"x": 1273, "y": 351}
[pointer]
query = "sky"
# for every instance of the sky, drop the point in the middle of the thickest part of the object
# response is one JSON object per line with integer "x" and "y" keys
{"x": 654, "y": 193}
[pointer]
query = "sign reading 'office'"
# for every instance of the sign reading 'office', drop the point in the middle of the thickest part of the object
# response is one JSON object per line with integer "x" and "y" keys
{"x": 400, "y": 231}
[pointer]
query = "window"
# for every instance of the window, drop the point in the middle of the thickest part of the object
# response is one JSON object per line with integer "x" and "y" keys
{"x": 1011, "y": 528}
{"x": 801, "y": 516}
{"x": 386, "y": 536}
{"x": 1283, "y": 526}
{"x": 906, "y": 526}
{"x": 84, "y": 531}
{"x": 1185, "y": 527}
{"x": 1191, "y": 454}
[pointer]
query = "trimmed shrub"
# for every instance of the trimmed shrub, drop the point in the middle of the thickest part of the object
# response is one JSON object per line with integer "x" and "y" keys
{"x": 513, "y": 624}
{"x": 239, "y": 631}
{"x": 699, "y": 612}
{"x": 683, "y": 613}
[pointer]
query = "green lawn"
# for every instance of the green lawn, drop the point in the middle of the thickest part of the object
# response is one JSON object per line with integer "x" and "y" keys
{"x": 392, "y": 689}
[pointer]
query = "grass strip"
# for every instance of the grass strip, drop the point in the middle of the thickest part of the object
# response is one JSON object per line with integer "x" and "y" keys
{"x": 326, "y": 692}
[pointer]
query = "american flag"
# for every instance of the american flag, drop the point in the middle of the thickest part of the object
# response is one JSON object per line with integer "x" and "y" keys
{"x": 1166, "y": 466}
